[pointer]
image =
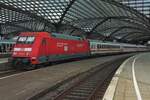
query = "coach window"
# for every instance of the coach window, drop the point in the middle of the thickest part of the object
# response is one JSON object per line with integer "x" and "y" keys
{"x": 95, "y": 47}
{"x": 91, "y": 46}
{"x": 98, "y": 46}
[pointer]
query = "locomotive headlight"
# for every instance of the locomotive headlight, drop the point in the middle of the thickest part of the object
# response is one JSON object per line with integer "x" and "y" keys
{"x": 27, "y": 49}
{"x": 33, "y": 58}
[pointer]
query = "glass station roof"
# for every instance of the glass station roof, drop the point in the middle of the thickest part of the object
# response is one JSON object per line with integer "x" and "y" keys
{"x": 121, "y": 20}
{"x": 143, "y": 6}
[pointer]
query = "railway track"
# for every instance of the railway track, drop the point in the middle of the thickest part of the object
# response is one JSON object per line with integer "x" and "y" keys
{"x": 8, "y": 73}
{"x": 89, "y": 86}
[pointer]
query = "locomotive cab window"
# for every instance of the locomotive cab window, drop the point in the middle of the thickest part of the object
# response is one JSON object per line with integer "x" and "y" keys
{"x": 30, "y": 40}
{"x": 26, "y": 40}
{"x": 22, "y": 39}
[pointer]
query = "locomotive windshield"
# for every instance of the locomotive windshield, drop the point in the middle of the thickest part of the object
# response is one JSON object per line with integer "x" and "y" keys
{"x": 26, "y": 39}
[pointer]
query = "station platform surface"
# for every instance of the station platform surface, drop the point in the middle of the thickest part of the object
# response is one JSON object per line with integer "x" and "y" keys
{"x": 24, "y": 85}
{"x": 132, "y": 80}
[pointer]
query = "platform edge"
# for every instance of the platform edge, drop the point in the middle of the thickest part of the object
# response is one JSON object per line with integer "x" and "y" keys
{"x": 109, "y": 94}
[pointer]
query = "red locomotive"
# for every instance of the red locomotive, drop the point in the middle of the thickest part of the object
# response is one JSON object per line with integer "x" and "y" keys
{"x": 34, "y": 48}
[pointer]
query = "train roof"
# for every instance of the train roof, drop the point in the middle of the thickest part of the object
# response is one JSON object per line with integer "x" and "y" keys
{"x": 63, "y": 36}
{"x": 56, "y": 35}
{"x": 102, "y": 42}
{"x": 115, "y": 43}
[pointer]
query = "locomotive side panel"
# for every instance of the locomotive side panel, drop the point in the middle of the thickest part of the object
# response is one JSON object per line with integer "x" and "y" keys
{"x": 54, "y": 49}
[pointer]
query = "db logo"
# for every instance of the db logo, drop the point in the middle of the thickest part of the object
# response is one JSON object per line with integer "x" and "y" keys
{"x": 65, "y": 48}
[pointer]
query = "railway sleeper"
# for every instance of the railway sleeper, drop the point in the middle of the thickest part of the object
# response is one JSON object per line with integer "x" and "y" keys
{"x": 85, "y": 88}
{"x": 79, "y": 94}
{"x": 88, "y": 86}
{"x": 81, "y": 91}
{"x": 72, "y": 97}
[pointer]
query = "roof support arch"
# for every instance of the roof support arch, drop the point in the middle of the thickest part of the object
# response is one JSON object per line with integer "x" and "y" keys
{"x": 131, "y": 33}
{"x": 128, "y": 27}
{"x": 140, "y": 15}
{"x": 98, "y": 24}
{"x": 66, "y": 10}
{"x": 140, "y": 37}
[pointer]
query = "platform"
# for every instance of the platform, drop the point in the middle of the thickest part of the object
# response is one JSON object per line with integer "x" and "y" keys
{"x": 25, "y": 85}
{"x": 132, "y": 80}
